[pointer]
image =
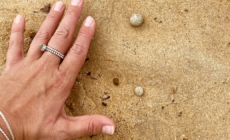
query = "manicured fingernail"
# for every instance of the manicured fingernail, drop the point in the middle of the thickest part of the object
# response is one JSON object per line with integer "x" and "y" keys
{"x": 18, "y": 19}
{"x": 75, "y": 2}
{"x": 88, "y": 21}
{"x": 108, "y": 130}
{"x": 58, "y": 6}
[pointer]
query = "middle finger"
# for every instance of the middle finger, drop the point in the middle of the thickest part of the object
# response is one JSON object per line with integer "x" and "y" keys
{"x": 62, "y": 38}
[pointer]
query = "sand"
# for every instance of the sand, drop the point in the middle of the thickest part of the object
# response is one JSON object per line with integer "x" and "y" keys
{"x": 180, "y": 55}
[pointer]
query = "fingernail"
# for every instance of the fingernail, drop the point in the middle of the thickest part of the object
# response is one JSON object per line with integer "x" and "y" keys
{"x": 108, "y": 130}
{"x": 88, "y": 21}
{"x": 75, "y": 2}
{"x": 18, "y": 19}
{"x": 58, "y": 6}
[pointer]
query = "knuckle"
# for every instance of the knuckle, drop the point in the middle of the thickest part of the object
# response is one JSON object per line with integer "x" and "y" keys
{"x": 78, "y": 49}
{"x": 60, "y": 80}
{"x": 62, "y": 32}
{"x": 16, "y": 30}
{"x": 40, "y": 67}
{"x": 13, "y": 61}
{"x": 52, "y": 16}
{"x": 91, "y": 128}
{"x": 42, "y": 35}
{"x": 71, "y": 12}
{"x": 83, "y": 34}
{"x": 15, "y": 42}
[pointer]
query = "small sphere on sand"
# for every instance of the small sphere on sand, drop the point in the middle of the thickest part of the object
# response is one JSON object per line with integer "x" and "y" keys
{"x": 136, "y": 20}
{"x": 116, "y": 81}
{"x": 139, "y": 91}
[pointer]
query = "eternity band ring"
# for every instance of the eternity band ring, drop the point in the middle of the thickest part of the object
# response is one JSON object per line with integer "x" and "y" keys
{"x": 43, "y": 48}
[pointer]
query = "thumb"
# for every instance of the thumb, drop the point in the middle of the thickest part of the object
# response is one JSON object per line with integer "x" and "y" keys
{"x": 77, "y": 127}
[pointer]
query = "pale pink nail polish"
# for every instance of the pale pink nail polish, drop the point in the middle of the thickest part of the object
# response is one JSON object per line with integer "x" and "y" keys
{"x": 108, "y": 130}
{"x": 88, "y": 21}
{"x": 58, "y": 6}
{"x": 18, "y": 19}
{"x": 75, "y": 2}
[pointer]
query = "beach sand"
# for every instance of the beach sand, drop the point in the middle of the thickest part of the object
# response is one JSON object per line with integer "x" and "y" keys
{"x": 180, "y": 55}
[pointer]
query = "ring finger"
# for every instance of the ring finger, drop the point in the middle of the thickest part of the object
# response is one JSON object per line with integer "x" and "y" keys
{"x": 63, "y": 36}
{"x": 46, "y": 31}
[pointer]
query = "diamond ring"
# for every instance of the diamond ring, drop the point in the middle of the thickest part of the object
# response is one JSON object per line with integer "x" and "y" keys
{"x": 43, "y": 48}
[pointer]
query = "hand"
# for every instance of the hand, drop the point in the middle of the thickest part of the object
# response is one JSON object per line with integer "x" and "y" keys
{"x": 33, "y": 89}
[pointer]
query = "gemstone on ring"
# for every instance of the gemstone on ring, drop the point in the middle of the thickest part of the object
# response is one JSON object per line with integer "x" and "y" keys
{"x": 43, "y": 47}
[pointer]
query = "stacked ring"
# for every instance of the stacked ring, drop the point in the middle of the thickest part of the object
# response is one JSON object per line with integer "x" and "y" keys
{"x": 43, "y": 48}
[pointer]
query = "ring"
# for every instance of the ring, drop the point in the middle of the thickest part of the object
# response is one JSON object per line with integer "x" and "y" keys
{"x": 43, "y": 48}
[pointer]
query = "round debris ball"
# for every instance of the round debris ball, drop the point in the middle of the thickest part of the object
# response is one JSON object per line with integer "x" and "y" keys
{"x": 139, "y": 91}
{"x": 136, "y": 20}
{"x": 116, "y": 81}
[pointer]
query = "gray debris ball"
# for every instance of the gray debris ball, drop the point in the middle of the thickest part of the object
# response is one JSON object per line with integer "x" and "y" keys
{"x": 136, "y": 19}
{"x": 139, "y": 91}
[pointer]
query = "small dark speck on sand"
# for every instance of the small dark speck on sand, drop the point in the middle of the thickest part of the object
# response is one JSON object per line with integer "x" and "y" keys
{"x": 92, "y": 136}
{"x": 46, "y": 8}
{"x": 32, "y": 35}
{"x": 87, "y": 59}
{"x": 104, "y": 104}
{"x": 88, "y": 73}
{"x": 180, "y": 114}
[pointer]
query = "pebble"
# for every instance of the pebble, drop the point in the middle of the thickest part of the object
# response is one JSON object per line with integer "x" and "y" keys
{"x": 105, "y": 96}
{"x": 139, "y": 91}
{"x": 116, "y": 81}
{"x": 136, "y": 20}
{"x": 183, "y": 137}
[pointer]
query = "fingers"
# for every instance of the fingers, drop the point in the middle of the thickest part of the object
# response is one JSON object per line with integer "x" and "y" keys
{"x": 15, "y": 50}
{"x": 77, "y": 54}
{"x": 63, "y": 36}
{"x": 46, "y": 31}
{"x": 76, "y": 127}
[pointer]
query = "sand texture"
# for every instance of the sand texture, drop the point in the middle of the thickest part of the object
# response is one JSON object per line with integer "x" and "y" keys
{"x": 180, "y": 55}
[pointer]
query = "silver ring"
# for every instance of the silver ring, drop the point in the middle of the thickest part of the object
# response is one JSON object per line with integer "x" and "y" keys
{"x": 43, "y": 48}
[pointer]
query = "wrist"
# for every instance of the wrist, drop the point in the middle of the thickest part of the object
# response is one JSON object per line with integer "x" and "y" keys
{"x": 14, "y": 125}
{"x": 4, "y": 131}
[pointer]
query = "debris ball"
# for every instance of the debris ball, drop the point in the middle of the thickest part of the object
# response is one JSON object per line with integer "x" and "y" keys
{"x": 136, "y": 19}
{"x": 139, "y": 91}
{"x": 116, "y": 81}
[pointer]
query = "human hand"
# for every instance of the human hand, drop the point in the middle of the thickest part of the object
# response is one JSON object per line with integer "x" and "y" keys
{"x": 33, "y": 89}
